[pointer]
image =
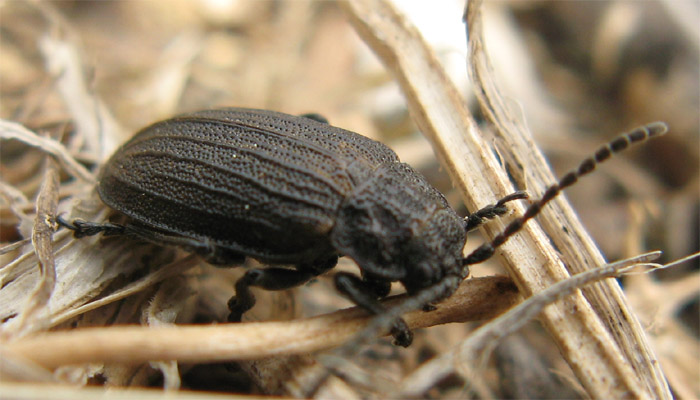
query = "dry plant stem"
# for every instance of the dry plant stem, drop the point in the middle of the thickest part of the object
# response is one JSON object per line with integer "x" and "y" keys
{"x": 13, "y": 130}
{"x": 302, "y": 377}
{"x": 294, "y": 375}
{"x": 476, "y": 299}
{"x": 14, "y": 197}
{"x": 474, "y": 351}
{"x": 42, "y": 234}
{"x": 13, "y": 246}
{"x": 172, "y": 269}
{"x": 15, "y": 368}
{"x": 439, "y": 112}
{"x": 32, "y": 391}
{"x": 579, "y": 252}
{"x": 93, "y": 120}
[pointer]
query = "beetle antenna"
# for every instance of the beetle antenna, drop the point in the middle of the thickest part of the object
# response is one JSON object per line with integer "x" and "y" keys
{"x": 641, "y": 134}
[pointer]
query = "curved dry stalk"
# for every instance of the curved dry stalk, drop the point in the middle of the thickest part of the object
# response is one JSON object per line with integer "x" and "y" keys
{"x": 476, "y": 299}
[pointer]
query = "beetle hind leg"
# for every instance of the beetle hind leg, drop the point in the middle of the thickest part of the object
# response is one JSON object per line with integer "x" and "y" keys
{"x": 82, "y": 228}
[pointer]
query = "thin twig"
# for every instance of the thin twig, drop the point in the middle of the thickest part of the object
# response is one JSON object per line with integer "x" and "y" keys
{"x": 254, "y": 340}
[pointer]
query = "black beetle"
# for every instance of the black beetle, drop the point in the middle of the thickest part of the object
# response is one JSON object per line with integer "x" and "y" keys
{"x": 293, "y": 190}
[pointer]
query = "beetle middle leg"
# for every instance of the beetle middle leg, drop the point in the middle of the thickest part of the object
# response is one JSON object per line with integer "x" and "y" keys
{"x": 273, "y": 279}
{"x": 380, "y": 287}
{"x": 364, "y": 294}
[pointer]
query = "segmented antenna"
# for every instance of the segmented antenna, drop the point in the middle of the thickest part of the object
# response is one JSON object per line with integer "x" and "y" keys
{"x": 641, "y": 134}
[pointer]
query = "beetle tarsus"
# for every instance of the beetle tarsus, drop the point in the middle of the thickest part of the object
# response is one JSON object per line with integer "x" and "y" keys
{"x": 82, "y": 228}
{"x": 402, "y": 335}
{"x": 364, "y": 296}
{"x": 478, "y": 218}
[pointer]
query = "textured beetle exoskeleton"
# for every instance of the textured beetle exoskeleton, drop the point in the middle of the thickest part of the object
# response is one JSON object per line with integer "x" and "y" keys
{"x": 258, "y": 183}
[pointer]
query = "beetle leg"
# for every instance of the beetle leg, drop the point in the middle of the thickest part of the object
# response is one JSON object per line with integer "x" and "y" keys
{"x": 364, "y": 296}
{"x": 378, "y": 286}
{"x": 268, "y": 279}
{"x": 476, "y": 219}
{"x": 82, "y": 228}
{"x": 320, "y": 266}
{"x": 273, "y": 279}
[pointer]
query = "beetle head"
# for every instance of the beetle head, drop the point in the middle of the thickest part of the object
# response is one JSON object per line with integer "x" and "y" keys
{"x": 416, "y": 247}
{"x": 434, "y": 251}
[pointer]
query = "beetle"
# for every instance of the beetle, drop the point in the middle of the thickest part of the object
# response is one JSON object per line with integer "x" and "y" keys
{"x": 295, "y": 191}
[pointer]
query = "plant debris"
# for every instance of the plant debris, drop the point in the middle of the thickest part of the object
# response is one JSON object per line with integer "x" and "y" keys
{"x": 78, "y": 78}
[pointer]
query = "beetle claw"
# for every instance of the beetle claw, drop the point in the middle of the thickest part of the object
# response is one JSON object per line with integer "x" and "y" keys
{"x": 402, "y": 335}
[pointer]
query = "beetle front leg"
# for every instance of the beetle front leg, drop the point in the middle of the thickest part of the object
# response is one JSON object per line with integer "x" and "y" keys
{"x": 378, "y": 286}
{"x": 479, "y": 217}
{"x": 365, "y": 296}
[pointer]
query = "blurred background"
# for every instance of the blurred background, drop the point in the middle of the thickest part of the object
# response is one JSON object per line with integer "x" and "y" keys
{"x": 92, "y": 73}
